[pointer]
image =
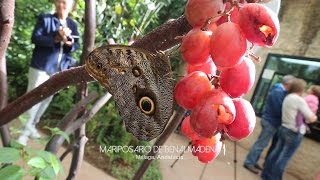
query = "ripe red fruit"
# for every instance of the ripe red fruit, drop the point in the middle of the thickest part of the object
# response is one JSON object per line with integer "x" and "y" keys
{"x": 208, "y": 67}
{"x": 227, "y": 45}
{"x": 214, "y": 108}
{"x": 207, "y": 149}
{"x": 260, "y": 24}
{"x": 238, "y": 80}
{"x": 187, "y": 130}
{"x": 195, "y": 46}
{"x": 191, "y": 88}
{"x": 199, "y": 11}
{"x": 244, "y": 122}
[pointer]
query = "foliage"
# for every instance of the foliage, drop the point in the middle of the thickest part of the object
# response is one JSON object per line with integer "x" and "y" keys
{"x": 125, "y": 20}
{"x": 57, "y": 131}
{"x": 20, "y": 47}
{"x": 39, "y": 163}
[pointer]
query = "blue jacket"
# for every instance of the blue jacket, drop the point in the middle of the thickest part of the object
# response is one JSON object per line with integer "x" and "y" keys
{"x": 46, "y": 52}
{"x": 273, "y": 106}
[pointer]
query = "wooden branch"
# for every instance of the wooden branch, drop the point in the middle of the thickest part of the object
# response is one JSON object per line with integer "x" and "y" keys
{"x": 57, "y": 140}
{"x": 165, "y": 36}
{"x": 176, "y": 119}
{"x": 4, "y": 130}
{"x": 86, "y": 117}
{"x": 53, "y": 85}
{"x": 6, "y": 24}
{"x": 73, "y": 114}
{"x": 79, "y": 75}
{"x": 89, "y": 39}
{"x": 68, "y": 150}
{"x": 77, "y": 157}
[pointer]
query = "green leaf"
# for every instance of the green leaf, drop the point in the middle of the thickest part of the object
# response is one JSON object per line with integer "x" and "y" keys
{"x": 23, "y": 118}
{"x": 15, "y": 144}
{"x": 45, "y": 155}
{"x": 38, "y": 162}
{"x": 52, "y": 130}
{"x": 9, "y": 155}
{"x": 30, "y": 151}
{"x": 11, "y": 173}
{"x": 42, "y": 141}
{"x": 48, "y": 172}
{"x": 14, "y": 130}
{"x": 57, "y": 131}
{"x": 133, "y": 22}
{"x": 55, "y": 163}
{"x": 65, "y": 135}
{"x": 34, "y": 171}
{"x": 42, "y": 178}
{"x": 118, "y": 9}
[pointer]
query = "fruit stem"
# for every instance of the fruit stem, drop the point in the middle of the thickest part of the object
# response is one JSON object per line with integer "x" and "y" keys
{"x": 254, "y": 57}
{"x": 208, "y": 21}
{"x": 214, "y": 80}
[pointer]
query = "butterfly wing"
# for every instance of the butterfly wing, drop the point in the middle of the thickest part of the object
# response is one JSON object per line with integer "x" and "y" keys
{"x": 141, "y": 84}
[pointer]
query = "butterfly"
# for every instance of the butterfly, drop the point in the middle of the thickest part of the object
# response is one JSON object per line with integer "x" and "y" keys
{"x": 141, "y": 83}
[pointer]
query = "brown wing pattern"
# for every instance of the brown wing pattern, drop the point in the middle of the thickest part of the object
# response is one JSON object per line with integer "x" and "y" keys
{"x": 141, "y": 83}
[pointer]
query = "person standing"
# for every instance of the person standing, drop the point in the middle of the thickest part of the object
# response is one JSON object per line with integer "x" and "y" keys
{"x": 290, "y": 135}
{"x": 55, "y": 37}
{"x": 270, "y": 122}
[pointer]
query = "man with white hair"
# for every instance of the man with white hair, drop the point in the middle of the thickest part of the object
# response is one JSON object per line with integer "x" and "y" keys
{"x": 55, "y": 37}
{"x": 270, "y": 122}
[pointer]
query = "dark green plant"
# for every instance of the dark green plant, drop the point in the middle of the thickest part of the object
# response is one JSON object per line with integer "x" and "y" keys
{"x": 38, "y": 163}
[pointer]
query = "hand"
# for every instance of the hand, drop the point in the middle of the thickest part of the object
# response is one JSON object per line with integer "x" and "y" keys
{"x": 64, "y": 31}
{"x": 69, "y": 42}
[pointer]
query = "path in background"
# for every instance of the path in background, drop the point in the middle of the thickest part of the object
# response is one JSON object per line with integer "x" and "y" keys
{"x": 189, "y": 168}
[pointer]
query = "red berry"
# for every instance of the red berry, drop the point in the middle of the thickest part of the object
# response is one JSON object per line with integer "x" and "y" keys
{"x": 244, "y": 122}
{"x": 199, "y": 11}
{"x": 207, "y": 149}
{"x": 191, "y": 88}
{"x": 187, "y": 130}
{"x": 208, "y": 67}
{"x": 227, "y": 45}
{"x": 259, "y": 24}
{"x": 238, "y": 80}
{"x": 195, "y": 46}
{"x": 215, "y": 108}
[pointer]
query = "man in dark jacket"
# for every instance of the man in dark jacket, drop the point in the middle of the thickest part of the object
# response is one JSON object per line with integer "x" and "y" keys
{"x": 270, "y": 122}
{"x": 55, "y": 37}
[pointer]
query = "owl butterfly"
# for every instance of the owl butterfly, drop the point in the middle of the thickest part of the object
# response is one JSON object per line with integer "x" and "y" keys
{"x": 141, "y": 84}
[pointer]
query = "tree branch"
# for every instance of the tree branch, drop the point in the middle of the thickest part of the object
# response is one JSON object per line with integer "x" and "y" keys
{"x": 55, "y": 143}
{"x": 79, "y": 75}
{"x": 176, "y": 119}
{"x": 77, "y": 157}
{"x": 57, "y": 140}
{"x": 165, "y": 36}
{"x": 89, "y": 38}
{"x": 86, "y": 117}
{"x": 53, "y": 85}
{"x": 6, "y": 24}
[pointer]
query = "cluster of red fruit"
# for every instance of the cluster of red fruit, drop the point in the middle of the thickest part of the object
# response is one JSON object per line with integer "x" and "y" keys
{"x": 218, "y": 44}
